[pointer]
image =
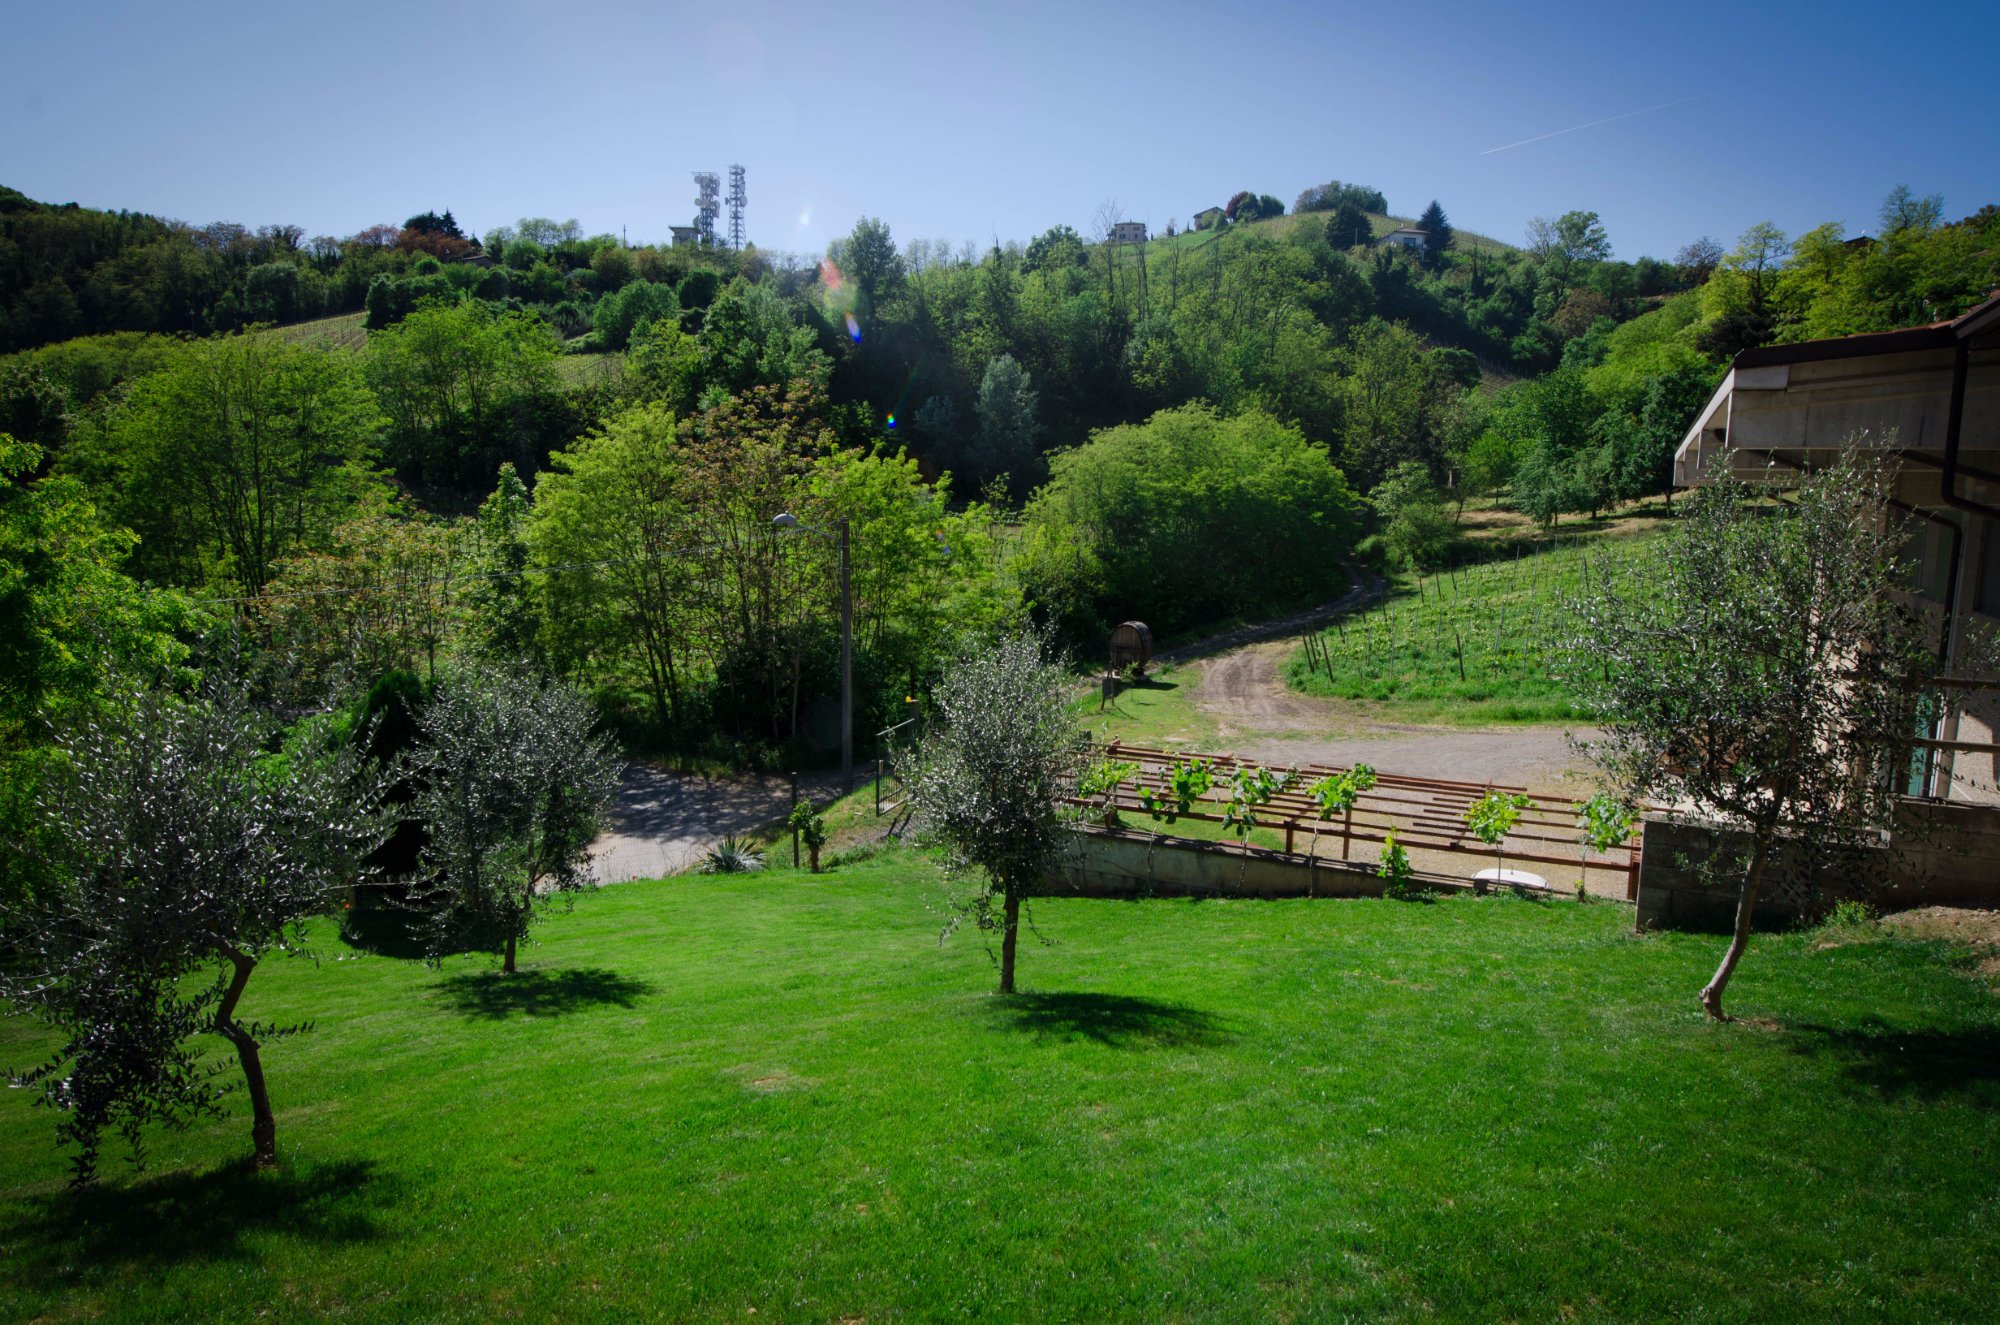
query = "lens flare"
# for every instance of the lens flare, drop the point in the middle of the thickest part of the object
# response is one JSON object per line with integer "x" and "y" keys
{"x": 853, "y": 328}
{"x": 829, "y": 275}
{"x": 892, "y": 423}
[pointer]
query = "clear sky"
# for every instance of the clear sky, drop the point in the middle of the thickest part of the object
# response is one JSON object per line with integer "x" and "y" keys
{"x": 997, "y": 121}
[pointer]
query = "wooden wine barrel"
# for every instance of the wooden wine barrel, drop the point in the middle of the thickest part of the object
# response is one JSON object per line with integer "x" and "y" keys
{"x": 1131, "y": 646}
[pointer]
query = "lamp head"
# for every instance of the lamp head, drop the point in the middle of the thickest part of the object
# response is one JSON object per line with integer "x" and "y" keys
{"x": 785, "y": 520}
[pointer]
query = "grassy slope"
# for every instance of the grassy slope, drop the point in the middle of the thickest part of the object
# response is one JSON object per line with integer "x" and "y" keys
{"x": 347, "y": 331}
{"x": 780, "y": 1093}
{"x": 1160, "y": 713}
{"x": 1400, "y": 660}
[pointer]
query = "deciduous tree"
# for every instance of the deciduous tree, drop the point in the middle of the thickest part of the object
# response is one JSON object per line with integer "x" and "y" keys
{"x": 240, "y": 451}
{"x": 1415, "y": 528}
{"x": 1007, "y": 423}
{"x": 464, "y": 389}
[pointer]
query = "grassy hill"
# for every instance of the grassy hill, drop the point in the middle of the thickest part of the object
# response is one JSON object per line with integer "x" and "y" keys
{"x": 1278, "y": 227}
{"x": 779, "y": 1094}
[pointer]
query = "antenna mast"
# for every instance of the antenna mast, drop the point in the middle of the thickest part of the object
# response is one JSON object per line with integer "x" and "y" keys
{"x": 737, "y": 199}
{"x": 707, "y": 204}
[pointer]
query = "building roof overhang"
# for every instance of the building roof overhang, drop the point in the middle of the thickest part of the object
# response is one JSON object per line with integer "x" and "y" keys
{"x": 1834, "y": 375}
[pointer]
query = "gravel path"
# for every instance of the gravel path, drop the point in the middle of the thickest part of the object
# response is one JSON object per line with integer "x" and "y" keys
{"x": 662, "y": 821}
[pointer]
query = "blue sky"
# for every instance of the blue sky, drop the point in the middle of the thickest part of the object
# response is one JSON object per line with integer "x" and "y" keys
{"x": 971, "y": 123}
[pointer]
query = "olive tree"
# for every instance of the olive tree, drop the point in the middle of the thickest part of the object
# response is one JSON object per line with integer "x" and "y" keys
{"x": 511, "y": 782}
{"x": 1761, "y": 671}
{"x": 182, "y": 851}
{"x": 987, "y": 777}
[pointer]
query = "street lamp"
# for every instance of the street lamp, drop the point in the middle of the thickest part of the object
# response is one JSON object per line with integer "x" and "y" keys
{"x": 838, "y": 533}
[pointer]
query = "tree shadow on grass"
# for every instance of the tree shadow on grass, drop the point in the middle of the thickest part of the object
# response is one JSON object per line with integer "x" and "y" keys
{"x": 1118, "y": 1020}
{"x": 156, "y": 1223}
{"x": 392, "y": 930}
{"x": 495, "y": 996}
{"x": 1897, "y": 1063}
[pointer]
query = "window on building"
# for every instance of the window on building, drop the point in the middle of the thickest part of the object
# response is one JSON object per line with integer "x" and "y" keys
{"x": 1987, "y": 597}
{"x": 1927, "y": 559}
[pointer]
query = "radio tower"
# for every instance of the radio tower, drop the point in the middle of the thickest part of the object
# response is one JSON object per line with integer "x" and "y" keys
{"x": 737, "y": 198}
{"x": 707, "y": 204}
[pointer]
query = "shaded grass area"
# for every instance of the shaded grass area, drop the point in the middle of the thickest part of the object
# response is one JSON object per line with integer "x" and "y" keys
{"x": 1476, "y": 643}
{"x": 1158, "y": 711}
{"x": 779, "y": 1092}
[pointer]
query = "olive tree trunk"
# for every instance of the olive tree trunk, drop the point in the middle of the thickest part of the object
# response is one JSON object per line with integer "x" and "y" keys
{"x": 1746, "y": 903}
{"x": 263, "y": 1123}
{"x": 1010, "y": 930}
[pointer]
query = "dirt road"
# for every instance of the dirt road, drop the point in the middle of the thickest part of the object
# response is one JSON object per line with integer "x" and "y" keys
{"x": 1244, "y": 692}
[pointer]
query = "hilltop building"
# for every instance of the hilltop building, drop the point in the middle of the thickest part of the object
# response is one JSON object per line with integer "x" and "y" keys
{"x": 1208, "y": 218}
{"x": 1407, "y": 236}
{"x": 1128, "y": 232}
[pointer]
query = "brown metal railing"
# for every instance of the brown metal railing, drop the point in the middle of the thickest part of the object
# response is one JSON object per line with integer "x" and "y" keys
{"x": 1426, "y": 814}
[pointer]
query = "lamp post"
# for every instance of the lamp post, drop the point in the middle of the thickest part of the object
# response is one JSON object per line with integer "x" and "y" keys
{"x": 838, "y": 533}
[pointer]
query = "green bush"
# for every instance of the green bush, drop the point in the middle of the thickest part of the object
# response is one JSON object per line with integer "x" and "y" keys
{"x": 1190, "y": 517}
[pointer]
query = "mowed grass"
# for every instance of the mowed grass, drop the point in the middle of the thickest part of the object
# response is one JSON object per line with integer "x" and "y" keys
{"x": 1474, "y": 644}
{"x": 1159, "y": 711}
{"x": 706, "y": 1097}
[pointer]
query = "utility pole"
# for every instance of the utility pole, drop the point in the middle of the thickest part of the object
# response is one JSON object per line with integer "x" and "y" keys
{"x": 840, "y": 536}
{"x": 846, "y": 656}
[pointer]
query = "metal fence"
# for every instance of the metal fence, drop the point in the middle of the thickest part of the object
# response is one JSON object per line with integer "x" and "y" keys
{"x": 891, "y": 745}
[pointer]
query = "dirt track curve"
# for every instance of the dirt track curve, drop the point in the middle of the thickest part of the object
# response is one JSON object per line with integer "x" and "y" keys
{"x": 1240, "y": 685}
{"x": 1259, "y": 716}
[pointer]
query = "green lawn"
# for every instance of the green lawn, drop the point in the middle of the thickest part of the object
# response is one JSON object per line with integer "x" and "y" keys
{"x": 779, "y": 1093}
{"x": 1158, "y": 712}
{"x": 1476, "y": 644}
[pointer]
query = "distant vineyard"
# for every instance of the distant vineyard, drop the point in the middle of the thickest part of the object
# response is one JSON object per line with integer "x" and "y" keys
{"x": 344, "y": 331}
{"x": 588, "y": 369}
{"x": 1474, "y": 643}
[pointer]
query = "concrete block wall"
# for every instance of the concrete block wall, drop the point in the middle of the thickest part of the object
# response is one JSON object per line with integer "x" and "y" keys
{"x": 1120, "y": 863}
{"x": 1935, "y": 854}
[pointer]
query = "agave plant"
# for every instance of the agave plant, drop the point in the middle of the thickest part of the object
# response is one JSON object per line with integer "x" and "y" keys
{"x": 732, "y": 855}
